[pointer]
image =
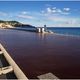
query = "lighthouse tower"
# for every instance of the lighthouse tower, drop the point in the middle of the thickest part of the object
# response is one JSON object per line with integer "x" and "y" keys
{"x": 45, "y": 28}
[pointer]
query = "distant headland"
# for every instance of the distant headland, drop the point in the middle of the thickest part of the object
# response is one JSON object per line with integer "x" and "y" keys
{"x": 13, "y": 24}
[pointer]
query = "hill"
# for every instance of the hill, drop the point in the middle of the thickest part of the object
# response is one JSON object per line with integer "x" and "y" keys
{"x": 13, "y": 24}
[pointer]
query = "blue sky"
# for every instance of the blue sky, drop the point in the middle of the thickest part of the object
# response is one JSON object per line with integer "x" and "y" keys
{"x": 38, "y": 13}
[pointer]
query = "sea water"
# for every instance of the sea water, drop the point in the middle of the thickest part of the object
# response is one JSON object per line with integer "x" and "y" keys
{"x": 67, "y": 30}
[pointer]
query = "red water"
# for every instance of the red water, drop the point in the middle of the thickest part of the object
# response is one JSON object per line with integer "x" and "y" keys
{"x": 38, "y": 54}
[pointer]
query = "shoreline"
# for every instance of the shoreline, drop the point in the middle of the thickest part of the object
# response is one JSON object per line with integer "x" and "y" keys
{"x": 70, "y": 35}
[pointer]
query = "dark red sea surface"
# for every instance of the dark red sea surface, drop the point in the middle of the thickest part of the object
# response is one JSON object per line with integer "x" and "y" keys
{"x": 38, "y": 54}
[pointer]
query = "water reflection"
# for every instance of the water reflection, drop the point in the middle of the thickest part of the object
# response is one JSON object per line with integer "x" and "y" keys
{"x": 42, "y": 36}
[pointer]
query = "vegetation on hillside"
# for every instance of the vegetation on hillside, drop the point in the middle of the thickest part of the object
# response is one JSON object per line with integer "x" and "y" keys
{"x": 14, "y": 24}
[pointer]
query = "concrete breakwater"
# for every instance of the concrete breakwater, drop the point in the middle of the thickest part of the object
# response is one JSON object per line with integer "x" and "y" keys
{"x": 33, "y": 29}
{"x": 24, "y": 29}
{"x": 12, "y": 65}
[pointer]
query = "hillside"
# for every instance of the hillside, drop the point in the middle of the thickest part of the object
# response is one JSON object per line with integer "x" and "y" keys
{"x": 13, "y": 24}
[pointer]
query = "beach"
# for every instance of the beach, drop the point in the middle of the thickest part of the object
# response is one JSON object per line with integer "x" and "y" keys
{"x": 37, "y": 53}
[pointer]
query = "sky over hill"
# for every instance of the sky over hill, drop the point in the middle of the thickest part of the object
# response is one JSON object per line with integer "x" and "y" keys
{"x": 38, "y": 13}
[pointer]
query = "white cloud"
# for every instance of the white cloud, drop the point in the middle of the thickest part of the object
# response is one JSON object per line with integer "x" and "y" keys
{"x": 55, "y": 10}
{"x": 49, "y": 10}
{"x": 66, "y": 9}
{"x": 3, "y": 14}
{"x": 42, "y": 11}
{"x": 24, "y": 12}
{"x": 64, "y": 21}
{"x": 57, "y": 18}
{"x": 65, "y": 13}
{"x": 25, "y": 16}
{"x": 59, "y": 10}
